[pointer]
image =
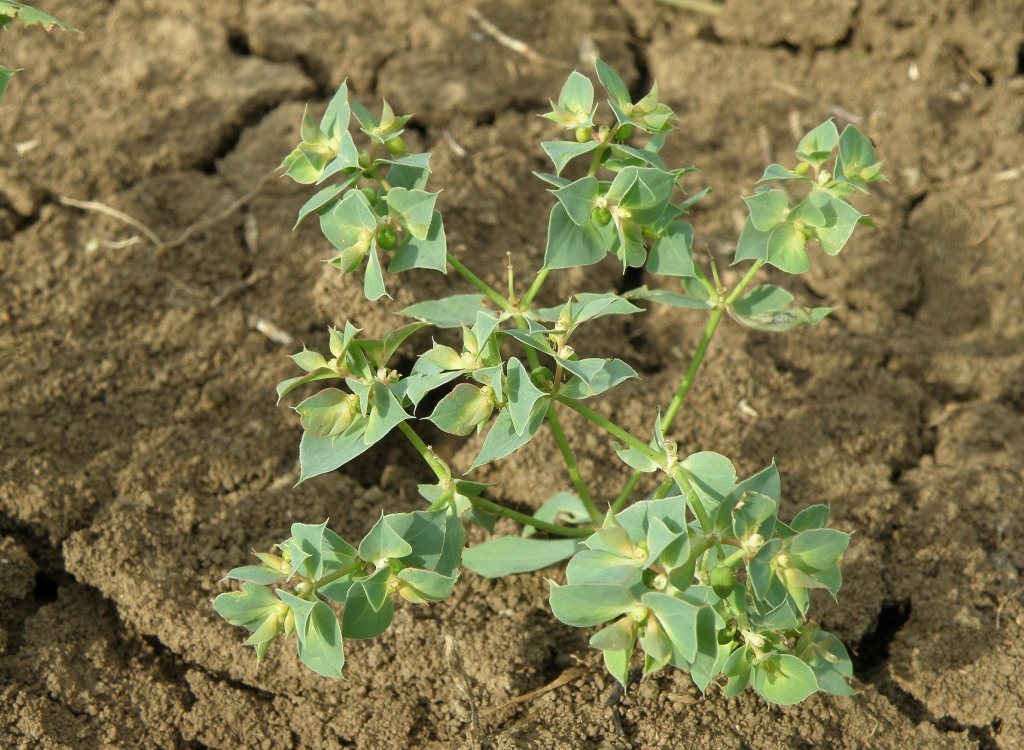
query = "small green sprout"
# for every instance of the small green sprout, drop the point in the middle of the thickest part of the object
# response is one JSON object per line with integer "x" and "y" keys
{"x": 701, "y": 574}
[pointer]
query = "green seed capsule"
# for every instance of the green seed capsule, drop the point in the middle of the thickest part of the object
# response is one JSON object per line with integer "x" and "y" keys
{"x": 387, "y": 237}
{"x": 365, "y": 160}
{"x": 396, "y": 145}
{"x": 723, "y": 580}
{"x": 582, "y": 134}
{"x": 370, "y": 194}
{"x": 601, "y": 216}
{"x": 624, "y": 133}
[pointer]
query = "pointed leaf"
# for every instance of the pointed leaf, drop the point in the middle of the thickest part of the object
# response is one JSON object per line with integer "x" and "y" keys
{"x": 508, "y": 555}
{"x": 783, "y": 679}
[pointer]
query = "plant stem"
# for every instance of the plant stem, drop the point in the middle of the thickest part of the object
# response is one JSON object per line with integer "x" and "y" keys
{"x": 479, "y": 283}
{"x": 572, "y": 467}
{"x": 610, "y": 427}
{"x": 679, "y": 474}
{"x": 525, "y": 520}
{"x": 538, "y": 282}
{"x": 440, "y": 469}
{"x": 743, "y": 283}
{"x": 691, "y": 372}
{"x": 340, "y": 573}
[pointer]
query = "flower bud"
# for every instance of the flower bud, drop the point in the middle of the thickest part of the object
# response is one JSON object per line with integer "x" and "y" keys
{"x": 395, "y": 146}
{"x": 723, "y": 580}
{"x": 387, "y": 237}
{"x": 601, "y": 216}
{"x": 582, "y": 134}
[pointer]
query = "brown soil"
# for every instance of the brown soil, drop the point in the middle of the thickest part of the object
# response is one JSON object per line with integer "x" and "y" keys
{"x": 142, "y": 455}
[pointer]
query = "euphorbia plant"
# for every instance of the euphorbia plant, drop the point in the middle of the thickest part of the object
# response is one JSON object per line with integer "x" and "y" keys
{"x": 700, "y": 574}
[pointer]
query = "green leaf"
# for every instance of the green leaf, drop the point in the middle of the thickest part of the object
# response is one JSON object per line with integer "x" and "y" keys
{"x": 752, "y": 244}
{"x": 711, "y": 476}
{"x": 619, "y": 636}
{"x": 436, "y": 536}
{"x": 635, "y": 459}
{"x": 577, "y": 96}
{"x": 338, "y": 114}
{"x": 570, "y": 245}
{"x": 385, "y": 414}
{"x": 508, "y": 555}
{"x": 786, "y": 249}
{"x": 423, "y": 586}
{"x": 323, "y": 197}
{"x": 344, "y": 223}
{"x": 817, "y": 146}
{"x": 840, "y": 219}
{"x": 678, "y": 619}
{"x": 373, "y": 281}
{"x": 379, "y": 352}
{"x": 617, "y": 663}
{"x": 319, "y": 455}
{"x": 450, "y": 312}
{"x": 708, "y": 662}
{"x": 522, "y": 395}
{"x": 818, "y": 549}
{"x": 255, "y": 574}
{"x": 613, "y": 84}
{"x": 783, "y": 679}
{"x": 562, "y": 152}
{"x": 347, "y": 159}
{"x": 5, "y": 78}
{"x": 328, "y": 413}
{"x": 247, "y": 607}
{"x": 361, "y": 620}
{"x": 753, "y": 510}
{"x": 590, "y": 604}
{"x": 29, "y": 16}
{"x": 410, "y": 171}
{"x": 737, "y": 669}
{"x": 304, "y": 165}
{"x": 611, "y": 373}
{"x": 413, "y": 209}
{"x": 502, "y": 439}
{"x": 812, "y": 517}
{"x": 807, "y": 213}
{"x": 668, "y": 297}
{"x": 319, "y": 635}
{"x": 428, "y": 252}
{"x": 768, "y": 209}
{"x": 759, "y": 571}
{"x": 779, "y": 172}
{"x": 578, "y": 198}
{"x": 856, "y": 154}
{"x": 767, "y": 308}
{"x": 383, "y": 542}
{"x": 672, "y": 253}
{"x": 462, "y": 409}
{"x": 605, "y": 567}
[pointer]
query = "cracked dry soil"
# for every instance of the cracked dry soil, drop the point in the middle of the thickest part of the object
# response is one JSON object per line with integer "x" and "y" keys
{"x": 142, "y": 455}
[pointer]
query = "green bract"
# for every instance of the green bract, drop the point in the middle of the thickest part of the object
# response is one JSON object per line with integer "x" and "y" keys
{"x": 701, "y": 574}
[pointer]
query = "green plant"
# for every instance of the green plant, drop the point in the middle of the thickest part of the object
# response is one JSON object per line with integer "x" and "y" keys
{"x": 701, "y": 574}
{"x": 28, "y": 16}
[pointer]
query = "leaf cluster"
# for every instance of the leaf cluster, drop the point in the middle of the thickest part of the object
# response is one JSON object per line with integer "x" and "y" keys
{"x": 412, "y": 555}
